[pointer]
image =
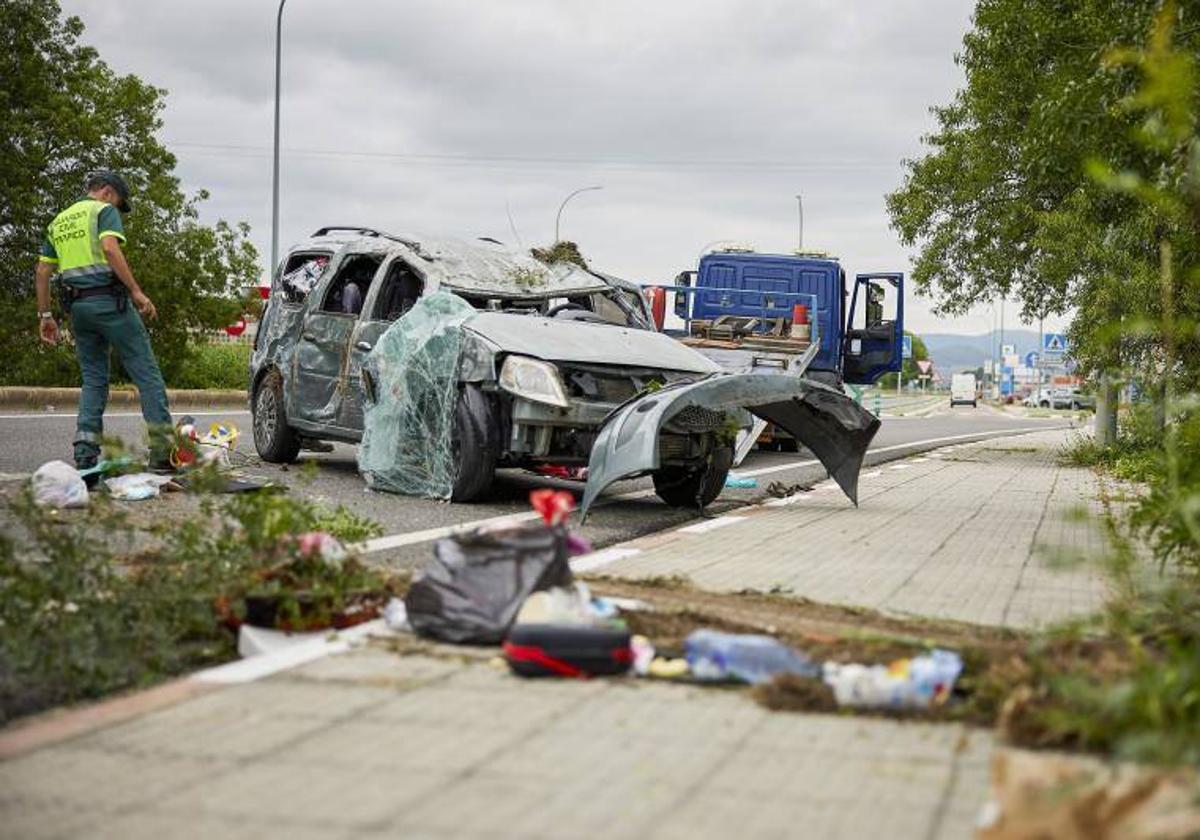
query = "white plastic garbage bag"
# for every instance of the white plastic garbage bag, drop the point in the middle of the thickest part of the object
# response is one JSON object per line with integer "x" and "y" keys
{"x": 57, "y": 484}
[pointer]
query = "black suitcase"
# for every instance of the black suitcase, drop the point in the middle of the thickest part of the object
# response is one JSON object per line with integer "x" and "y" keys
{"x": 564, "y": 650}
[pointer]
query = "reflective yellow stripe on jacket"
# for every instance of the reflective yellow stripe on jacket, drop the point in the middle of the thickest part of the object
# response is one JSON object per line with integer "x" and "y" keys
{"x": 74, "y": 236}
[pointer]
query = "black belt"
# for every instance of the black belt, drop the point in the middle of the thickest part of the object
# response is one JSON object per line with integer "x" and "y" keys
{"x": 70, "y": 294}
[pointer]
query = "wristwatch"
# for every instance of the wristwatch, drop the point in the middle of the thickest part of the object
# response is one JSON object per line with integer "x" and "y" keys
{"x": 44, "y": 315}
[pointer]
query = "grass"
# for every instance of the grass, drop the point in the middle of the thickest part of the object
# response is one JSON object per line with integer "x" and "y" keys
{"x": 224, "y": 366}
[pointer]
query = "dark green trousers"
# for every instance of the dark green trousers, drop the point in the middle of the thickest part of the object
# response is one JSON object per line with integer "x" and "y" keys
{"x": 99, "y": 328}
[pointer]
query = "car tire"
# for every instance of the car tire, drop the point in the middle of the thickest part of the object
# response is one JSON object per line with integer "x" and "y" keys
{"x": 275, "y": 441}
{"x": 476, "y": 444}
{"x": 694, "y": 486}
{"x": 790, "y": 445}
{"x": 1075, "y": 406}
{"x": 1043, "y": 404}
{"x": 974, "y": 404}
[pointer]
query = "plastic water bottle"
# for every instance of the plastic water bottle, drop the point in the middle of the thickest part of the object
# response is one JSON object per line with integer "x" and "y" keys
{"x": 713, "y": 655}
{"x": 916, "y": 683}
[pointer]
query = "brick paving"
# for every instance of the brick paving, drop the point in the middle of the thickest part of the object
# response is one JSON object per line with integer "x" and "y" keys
{"x": 373, "y": 744}
{"x": 986, "y": 532}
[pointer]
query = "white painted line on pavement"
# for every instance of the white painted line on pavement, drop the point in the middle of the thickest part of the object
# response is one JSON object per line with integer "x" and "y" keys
{"x": 265, "y": 664}
{"x": 596, "y": 559}
{"x": 899, "y": 466}
{"x": 709, "y": 525}
{"x": 429, "y": 534}
{"x": 871, "y": 474}
{"x": 42, "y": 415}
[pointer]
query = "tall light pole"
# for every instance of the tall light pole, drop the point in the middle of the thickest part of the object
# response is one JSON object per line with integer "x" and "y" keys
{"x": 558, "y": 218}
{"x": 800, "y": 239}
{"x": 275, "y": 174}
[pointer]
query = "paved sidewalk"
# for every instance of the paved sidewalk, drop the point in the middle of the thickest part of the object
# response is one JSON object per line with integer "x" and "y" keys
{"x": 375, "y": 744}
{"x": 983, "y": 532}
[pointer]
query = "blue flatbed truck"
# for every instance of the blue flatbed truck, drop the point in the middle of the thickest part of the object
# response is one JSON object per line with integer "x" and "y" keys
{"x": 795, "y": 313}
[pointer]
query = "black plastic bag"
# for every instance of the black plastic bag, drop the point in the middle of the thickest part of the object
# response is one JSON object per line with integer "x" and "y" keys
{"x": 476, "y": 583}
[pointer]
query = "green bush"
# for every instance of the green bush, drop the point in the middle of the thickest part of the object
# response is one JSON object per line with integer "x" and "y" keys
{"x": 215, "y": 366}
{"x": 80, "y": 617}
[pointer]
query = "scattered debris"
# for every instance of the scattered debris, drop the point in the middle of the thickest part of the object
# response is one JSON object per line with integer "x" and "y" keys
{"x": 56, "y": 484}
{"x": 716, "y": 656}
{"x": 738, "y": 482}
{"x": 916, "y": 683}
{"x": 543, "y": 650}
{"x": 781, "y": 491}
{"x": 136, "y": 487}
{"x": 1047, "y": 795}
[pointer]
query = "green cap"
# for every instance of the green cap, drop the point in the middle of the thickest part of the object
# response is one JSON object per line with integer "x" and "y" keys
{"x": 115, "y": 181}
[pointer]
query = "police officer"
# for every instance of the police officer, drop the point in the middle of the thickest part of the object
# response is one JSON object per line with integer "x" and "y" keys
{"x": 83, "y": 246}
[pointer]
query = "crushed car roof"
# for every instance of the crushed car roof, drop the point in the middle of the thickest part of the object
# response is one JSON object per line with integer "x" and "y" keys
{"x": 481, "y": 267}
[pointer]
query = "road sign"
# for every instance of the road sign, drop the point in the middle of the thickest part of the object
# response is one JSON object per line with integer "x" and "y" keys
{"x": 1032, "y": 358}
{"x": 907, "y": 347}
{"x": 1008, "y": 349}
{"x": 924, "y": 365}
{"x": 1055, "y": 343}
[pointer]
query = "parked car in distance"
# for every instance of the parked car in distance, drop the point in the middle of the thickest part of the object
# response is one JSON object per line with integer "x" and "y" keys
{"x": 963, "y": 390}
{"x": 1062, "y": 397}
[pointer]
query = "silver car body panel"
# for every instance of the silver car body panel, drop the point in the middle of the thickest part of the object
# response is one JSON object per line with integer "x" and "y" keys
{"x": 827, "y": 421}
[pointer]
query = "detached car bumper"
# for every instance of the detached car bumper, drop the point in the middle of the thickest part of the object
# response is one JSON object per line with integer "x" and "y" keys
{"x": 825, "y": 420}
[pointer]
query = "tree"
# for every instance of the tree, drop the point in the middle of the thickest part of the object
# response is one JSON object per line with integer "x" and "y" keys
{"x": 67, "y": 113}
{"x": 1004, "y": 203}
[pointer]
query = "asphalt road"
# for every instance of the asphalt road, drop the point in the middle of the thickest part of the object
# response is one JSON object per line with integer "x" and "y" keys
{"x": 627, "y": 510}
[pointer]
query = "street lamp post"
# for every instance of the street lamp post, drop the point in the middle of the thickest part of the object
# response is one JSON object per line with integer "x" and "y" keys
{"x": 800, "y": 206}
{"x": 275, "y": 173}
{"x": 558, "y": 218}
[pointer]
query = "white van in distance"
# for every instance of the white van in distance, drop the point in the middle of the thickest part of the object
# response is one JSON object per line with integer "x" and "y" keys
{"x": 963, "y": 390}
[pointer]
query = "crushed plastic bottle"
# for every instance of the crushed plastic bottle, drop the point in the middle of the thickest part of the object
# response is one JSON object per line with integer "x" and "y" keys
{"x": 713, "y": 655}
{"x": 916, "y": 683}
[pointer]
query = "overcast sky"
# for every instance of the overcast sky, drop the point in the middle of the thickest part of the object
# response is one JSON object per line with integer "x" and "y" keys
{"x": 701, "y": 120}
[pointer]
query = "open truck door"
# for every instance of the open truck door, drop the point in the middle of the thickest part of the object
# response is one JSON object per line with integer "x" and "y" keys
{"x": 874, "y": 340}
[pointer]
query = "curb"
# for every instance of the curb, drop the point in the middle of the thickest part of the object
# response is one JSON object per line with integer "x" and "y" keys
{"x": 39, "y": 398}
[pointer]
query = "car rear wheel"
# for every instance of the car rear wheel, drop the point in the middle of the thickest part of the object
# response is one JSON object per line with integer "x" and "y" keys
{"x": 476, "y": 444}
{"x": 1044, "y": 404}
{"x": 275, "y": 440}
{"x": 694, "y": 486}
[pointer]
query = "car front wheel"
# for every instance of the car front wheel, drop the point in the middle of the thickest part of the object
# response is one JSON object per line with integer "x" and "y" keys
{"x": 275, "y": 440}
{"x": 694, "y": 486}
{"x": 476, "y": 444}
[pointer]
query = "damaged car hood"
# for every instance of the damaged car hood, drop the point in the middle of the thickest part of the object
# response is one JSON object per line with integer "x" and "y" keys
{"x": 825, "y": 420}
{"x": 578, "y": 341}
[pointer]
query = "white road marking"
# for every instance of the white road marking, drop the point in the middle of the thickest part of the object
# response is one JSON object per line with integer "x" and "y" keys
{"x": 596, "y": 559}
{"x": 710, "y": 525}
{"x": 42, "y": 415}
{"x": 899, "y": 466}
{"x": 871, "y": 474}
{"x": 429, "y": 534}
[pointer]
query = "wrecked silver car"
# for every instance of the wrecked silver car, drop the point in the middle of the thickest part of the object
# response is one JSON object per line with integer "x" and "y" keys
{"x": 449, "y": 360}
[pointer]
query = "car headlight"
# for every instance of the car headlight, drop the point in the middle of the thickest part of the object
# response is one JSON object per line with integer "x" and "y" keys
{"x": 533, "y": 380}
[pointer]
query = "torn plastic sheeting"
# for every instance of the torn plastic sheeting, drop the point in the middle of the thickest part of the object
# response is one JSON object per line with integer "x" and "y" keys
{"x": 408, "y": 411}
{"x": 825, "y": 420}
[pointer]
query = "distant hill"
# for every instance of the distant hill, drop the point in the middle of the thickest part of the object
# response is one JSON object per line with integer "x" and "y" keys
{"x": 951, "y": 352}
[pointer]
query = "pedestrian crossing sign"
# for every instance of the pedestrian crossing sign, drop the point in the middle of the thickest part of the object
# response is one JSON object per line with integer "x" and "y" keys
{"x": 1054, "y": 342}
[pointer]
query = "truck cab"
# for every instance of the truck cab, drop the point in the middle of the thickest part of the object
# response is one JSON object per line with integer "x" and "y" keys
{"x": 857, "y": 327}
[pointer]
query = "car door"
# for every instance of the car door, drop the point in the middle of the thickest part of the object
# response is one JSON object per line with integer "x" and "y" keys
{"x": 399, "y": 286}
{"x": 874, "y": 339}
{"x": 319, "y": 364}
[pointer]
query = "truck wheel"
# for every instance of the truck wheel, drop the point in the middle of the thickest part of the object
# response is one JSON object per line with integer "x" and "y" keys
{"x": 475, "y": 443}
{"x": 275, "y": 440}
{"x": 694, "y": 486}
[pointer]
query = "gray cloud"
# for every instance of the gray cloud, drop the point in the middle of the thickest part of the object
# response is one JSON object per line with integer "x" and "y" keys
{"x": 701, "y": 119}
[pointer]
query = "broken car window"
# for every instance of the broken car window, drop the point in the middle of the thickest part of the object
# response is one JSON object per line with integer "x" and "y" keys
{"x": 402, "y": 288}
{"x": 349, "y": 288}
{"x": 300, "y": 274}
